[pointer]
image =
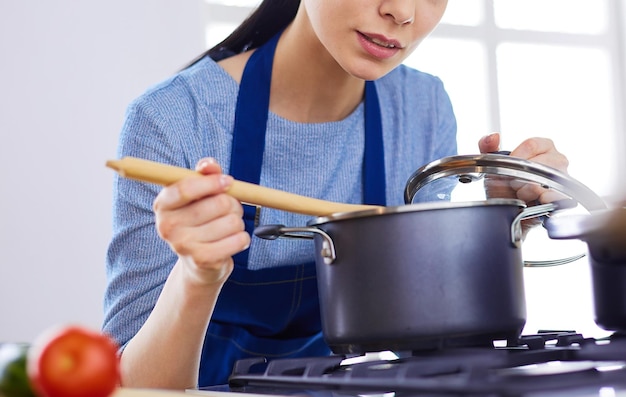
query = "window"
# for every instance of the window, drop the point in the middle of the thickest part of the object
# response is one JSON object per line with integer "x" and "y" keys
{"x": 540, "y": 68}
{"x": 535, "y": 68}
{"x": 552, "y": 68}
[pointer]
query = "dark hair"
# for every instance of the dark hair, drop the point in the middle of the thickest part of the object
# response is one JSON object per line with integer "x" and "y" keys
{"x": 270, "y": 17}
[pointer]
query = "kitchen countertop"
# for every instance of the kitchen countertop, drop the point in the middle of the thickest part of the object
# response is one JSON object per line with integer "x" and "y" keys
{"x": 126, "y": 392}
{"x": 131, "y": 392}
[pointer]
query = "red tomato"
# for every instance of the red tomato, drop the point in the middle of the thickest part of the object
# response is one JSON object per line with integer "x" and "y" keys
{"x": 73, "y": 362}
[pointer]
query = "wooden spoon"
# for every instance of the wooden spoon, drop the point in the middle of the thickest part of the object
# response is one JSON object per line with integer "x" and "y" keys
{"x": 163, "y": 174}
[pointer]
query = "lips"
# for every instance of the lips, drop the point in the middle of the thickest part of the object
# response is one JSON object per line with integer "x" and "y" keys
{"x": 381, "y": 40}
{"x": 379, "y": 46}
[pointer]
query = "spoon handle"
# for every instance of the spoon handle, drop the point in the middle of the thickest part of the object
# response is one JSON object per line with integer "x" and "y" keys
{"x": 249, "y": 193}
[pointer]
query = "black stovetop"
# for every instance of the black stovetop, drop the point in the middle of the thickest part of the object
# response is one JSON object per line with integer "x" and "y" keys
{"x": 543, "y": 364}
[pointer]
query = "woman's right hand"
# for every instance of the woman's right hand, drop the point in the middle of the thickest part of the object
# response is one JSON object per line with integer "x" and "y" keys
{"x": 202, "y": 223}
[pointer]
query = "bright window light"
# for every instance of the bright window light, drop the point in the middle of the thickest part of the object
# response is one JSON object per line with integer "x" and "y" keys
{"x": 564, "y": 16}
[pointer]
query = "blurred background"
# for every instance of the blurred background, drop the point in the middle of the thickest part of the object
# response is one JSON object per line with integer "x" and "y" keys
{"x": 553, "y": 68}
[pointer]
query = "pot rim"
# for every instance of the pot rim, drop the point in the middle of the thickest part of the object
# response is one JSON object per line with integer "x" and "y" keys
{"x": 416, "y": 207}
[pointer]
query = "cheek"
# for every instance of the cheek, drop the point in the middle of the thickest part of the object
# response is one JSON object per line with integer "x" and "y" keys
{"x": 422, "y": 28}
{"x": 321, "y": 13}
{"x": 410, "y": 49}
{"x": 334, "y": 15}
{"x": 330, "y": 23}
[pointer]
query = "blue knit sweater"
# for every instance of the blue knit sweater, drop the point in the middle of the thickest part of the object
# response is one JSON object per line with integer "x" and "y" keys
{"x": 190, "y": 116}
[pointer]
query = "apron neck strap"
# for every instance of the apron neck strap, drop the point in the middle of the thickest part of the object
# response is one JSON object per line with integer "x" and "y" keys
{"x": 251, "y": 122}
{"x": 374, "y": 182}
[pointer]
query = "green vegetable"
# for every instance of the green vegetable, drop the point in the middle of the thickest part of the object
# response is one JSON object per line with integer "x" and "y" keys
{"x": 13, "y": 377}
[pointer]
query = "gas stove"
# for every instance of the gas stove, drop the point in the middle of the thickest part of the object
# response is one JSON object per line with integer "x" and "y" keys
{"x": 546, "y": 364}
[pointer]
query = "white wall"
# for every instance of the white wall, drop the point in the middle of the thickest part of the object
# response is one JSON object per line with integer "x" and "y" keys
{"x": 68, "y": 70}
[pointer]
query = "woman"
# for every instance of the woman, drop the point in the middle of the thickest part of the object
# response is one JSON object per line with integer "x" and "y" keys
{"x": 190, "y": 296}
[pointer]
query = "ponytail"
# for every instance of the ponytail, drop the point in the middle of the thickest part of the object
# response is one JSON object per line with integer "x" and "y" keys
{"x": 270, "y": 17}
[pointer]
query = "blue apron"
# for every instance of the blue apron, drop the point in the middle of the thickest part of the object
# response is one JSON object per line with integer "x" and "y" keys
{"x": 274, "y": 312}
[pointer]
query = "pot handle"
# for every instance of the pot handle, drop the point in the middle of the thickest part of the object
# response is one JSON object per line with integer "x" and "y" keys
{"x": 536, "y": 211}
{"x": 272, "y": 232}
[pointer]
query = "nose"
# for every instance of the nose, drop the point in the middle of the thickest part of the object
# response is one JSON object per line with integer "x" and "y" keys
{"x": 402, "y": 12}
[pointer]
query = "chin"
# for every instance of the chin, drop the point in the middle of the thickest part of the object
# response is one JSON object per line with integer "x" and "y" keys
{"x": 370, "y": 70}
{"x": 370, "y": 74}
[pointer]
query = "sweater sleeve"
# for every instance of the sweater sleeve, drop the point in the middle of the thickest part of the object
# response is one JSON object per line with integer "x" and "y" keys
{"x": 138, "y": 261}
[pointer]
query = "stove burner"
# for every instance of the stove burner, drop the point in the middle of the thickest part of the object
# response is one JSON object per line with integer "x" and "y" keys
{"x": 542, "y": 362}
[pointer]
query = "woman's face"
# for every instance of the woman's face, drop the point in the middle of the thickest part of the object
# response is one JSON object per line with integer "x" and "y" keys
{"x": 368, "y": 38}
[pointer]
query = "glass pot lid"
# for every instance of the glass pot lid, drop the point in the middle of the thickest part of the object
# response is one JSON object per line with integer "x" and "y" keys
{"x": 492, "y": 175}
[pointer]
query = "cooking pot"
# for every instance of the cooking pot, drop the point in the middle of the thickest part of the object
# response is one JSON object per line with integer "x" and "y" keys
{"x": 605, "y": 235}
{"x": 431, "y": 274}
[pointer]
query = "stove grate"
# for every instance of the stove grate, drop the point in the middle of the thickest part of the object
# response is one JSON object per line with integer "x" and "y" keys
{"x": 540, "y": 362}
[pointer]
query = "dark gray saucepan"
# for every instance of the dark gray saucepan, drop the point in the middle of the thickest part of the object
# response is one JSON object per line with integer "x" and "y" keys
{"x": 428, "y": 275}
{"x": 605, "y": 235}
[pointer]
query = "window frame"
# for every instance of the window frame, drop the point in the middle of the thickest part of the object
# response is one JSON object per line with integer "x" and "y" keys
{"x": 612, "y": 40}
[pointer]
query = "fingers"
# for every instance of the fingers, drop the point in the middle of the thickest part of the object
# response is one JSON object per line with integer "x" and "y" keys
{"x": 209, "y": 245}
{"x": 489, "y": 143}
{"x": 543, "y": 151}
{"x": 536, "y": 194}
{"x": 539, "y": 150}
{"x": 532, "y": 147}
{"x": 190, "y": 189}
{"x": 527, "y": 191}
{"x": 201, "y": 222}
{"x": 499, "y": 187}
{"x": 208, "y": 165}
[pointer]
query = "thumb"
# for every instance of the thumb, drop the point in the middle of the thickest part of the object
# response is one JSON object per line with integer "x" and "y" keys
{"x": 489, "y": 143}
